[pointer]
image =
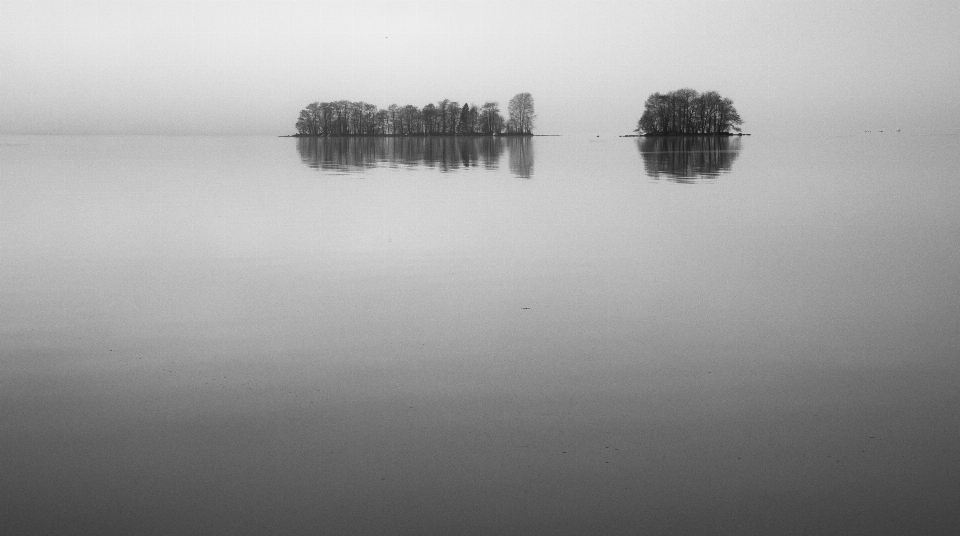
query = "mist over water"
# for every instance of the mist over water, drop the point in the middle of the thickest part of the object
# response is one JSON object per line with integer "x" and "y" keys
{"x": 233, "y": 334}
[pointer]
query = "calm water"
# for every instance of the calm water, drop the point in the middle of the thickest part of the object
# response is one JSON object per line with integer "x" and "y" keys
{"x": 564, "y": 335}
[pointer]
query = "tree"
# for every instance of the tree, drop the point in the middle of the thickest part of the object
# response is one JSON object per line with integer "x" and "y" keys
{"x": 729, "y": 117}
{"x": 474, "y": 118}
{"x": 411, "y": 119}
{"x": 310, "y": 120}
{"x": 349, "y": 118}
{"x": 382, "y": 121}
{"x": 453, "y": 117}
{"x": 521, "y": 113}
{"x": 490, "y": 118}
{"x": 464, "y": 126}
{"x": 442, "y": 112}
{"x": 685, "y": 111}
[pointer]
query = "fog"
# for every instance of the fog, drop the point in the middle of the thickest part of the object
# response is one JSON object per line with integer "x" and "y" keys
{"x": 245, "y": 68}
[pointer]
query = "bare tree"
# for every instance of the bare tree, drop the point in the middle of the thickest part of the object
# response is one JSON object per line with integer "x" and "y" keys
{"x": 429, "y": 113}
{"x": 309, "y": 121}
{"x": 521, "y": 113}
{"x": 490, "y": 118}
{"x": 442, "y": 111}
{"x": 453, "y": 117}
{"x": 685, "y": 111}
{"x": 465, "y": 126}
{"x": 349, "y": 118}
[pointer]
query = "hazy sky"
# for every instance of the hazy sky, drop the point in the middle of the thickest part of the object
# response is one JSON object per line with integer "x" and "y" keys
{"x": 249, "y": 67}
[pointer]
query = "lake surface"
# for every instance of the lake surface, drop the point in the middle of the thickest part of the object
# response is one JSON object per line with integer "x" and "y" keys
{"x": 556, "y": 335}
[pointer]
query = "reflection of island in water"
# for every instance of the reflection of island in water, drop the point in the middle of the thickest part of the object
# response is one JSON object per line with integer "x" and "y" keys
{"x": 688, "y": 159}
{"x": 446, "y": 153}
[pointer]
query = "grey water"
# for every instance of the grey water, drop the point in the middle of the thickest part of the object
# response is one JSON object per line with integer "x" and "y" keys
{"x": 548, "y": 335}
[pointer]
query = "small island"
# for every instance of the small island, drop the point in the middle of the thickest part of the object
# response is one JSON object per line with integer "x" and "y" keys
{"x": 445, "y": 118}
{"x": 685, "y": 112}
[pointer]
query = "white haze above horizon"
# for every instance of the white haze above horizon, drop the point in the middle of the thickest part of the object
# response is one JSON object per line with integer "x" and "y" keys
{"x": 249, "y": 67}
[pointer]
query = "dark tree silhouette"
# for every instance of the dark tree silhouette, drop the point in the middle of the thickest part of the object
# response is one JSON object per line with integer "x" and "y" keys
{"x": 446, "y": 117}
{"x": 684, "y": 112}
{"x": 521, "y": 114}
{"x": 491, "y": 122}
{"x": 464, "y": 127}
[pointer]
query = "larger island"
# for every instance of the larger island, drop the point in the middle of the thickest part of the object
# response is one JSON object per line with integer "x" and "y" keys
{"x": 445, "y": 118}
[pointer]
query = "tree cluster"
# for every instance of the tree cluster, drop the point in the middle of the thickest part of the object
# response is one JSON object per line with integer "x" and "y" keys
{"x": 685, "y": 111}
{"x": 445, "y": 118}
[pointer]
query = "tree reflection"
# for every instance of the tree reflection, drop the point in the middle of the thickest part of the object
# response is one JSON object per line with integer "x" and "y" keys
{"x": 446, "y": 153}
{"x": 521, "y": 156}
{"x": 688, "y": 159}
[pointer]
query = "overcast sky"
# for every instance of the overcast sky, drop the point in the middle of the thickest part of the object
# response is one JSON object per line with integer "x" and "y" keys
{"x": 249, "y": 67}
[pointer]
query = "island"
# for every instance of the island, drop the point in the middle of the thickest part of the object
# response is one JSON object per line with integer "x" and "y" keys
{"x": 445, "y": 118}
{"x": 685, "y": 112}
